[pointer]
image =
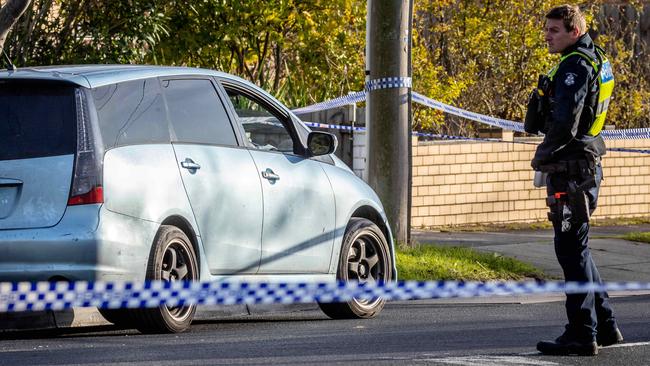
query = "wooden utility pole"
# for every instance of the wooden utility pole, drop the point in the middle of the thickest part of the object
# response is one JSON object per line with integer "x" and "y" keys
{"x": 389, "y": 122}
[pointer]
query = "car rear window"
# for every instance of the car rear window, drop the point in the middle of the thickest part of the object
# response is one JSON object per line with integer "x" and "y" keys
{"x": 131, "y": 113}
{"x": 37, "y": 119}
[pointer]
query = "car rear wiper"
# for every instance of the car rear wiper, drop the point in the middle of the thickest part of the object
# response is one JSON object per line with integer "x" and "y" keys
{"x": 10, "y": 65}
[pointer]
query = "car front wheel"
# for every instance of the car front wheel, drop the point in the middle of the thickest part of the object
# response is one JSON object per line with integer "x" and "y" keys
{"x": 364, "y": 258}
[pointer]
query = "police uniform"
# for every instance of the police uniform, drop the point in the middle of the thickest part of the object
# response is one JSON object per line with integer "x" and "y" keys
{"x": 569, "y": 107}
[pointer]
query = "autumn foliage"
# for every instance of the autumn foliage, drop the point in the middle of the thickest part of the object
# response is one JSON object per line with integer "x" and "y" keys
{"x": 483, "y": 56}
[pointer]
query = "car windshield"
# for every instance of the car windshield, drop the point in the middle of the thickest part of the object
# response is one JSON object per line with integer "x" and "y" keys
{"x": 37, "y": 119}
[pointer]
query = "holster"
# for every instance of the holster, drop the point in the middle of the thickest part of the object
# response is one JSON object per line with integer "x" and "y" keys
{"x": 560, "y": 213}
{"x": 571, "y": 207}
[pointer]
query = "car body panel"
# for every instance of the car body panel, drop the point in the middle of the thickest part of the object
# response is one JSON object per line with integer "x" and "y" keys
{"x": 142, "y": 181}
{"x": 298, "y": 214}
{"x": 226, "y": 199}
{"x": 351, "y": 194}
{"x": 67, "y": 249}
{"x": 34, "y": 192}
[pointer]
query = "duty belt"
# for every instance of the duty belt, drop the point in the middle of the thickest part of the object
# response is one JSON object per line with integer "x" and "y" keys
{"x": 581, "y": 167}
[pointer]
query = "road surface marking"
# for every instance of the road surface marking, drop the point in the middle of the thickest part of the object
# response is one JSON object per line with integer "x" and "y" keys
{"x": 629, "y": 345}
{"x": 490, "y": 361}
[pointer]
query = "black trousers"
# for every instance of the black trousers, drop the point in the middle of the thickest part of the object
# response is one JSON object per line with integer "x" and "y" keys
{"x": 587, "y": 312}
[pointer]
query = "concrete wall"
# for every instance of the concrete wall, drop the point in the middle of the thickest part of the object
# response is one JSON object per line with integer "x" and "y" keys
{"x": 468, "y": 182}
{"x": 463, "y": 183}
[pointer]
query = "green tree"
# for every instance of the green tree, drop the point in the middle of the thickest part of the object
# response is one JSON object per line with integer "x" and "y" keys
{"x": 87, "y": 31}
{"x": 485, "y": 57}
{"x": 303, "y": 51}
{"x": 10, "y": 11}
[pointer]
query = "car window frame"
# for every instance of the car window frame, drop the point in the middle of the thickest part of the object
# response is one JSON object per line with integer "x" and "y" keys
{"x": 239, "y": 138}
{"x": 277, "y": 110}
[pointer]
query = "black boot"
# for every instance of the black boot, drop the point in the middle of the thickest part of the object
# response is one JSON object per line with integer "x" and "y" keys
{"x": 609, "y": 336}
{"x": 567, "y": 344}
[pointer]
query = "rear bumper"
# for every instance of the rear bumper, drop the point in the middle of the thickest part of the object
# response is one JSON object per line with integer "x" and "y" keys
{"x": 90, "y": 243}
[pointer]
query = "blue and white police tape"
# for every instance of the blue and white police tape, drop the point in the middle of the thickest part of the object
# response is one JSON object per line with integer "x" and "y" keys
{"x": 388, "y": 83}
{"x": 334, "y": 127}
{"x": 492, "y": 121}
{"x": 357, "y": 97}
{"x": 626, "y": 134}
{"x": 421, "y": 134}
{"x": 402, "y": 82}
{"x": 449, "y": 137}
{"x": 27, "y": 296}
{"x": 622, "y": 149}
{"x": 483, "y": 139}
{"x": 333, "y": 103}
{"x": 634, "y": 133}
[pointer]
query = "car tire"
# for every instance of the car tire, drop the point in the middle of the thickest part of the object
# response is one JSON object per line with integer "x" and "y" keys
{"x": 172, "y": 259}
{"x": 365, "y": 257}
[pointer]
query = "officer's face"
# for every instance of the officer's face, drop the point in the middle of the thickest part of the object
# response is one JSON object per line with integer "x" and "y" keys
{"x": 556, "y": 36}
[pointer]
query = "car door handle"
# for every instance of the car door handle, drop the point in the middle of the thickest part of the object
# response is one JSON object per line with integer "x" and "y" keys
{"x": 5, "y": 182}
{"x": 189, "y": 164}
{"x": 270, "y": 175}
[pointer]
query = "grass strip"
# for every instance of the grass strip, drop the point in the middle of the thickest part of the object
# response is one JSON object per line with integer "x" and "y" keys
{"x": 540, "y": 225}
{"x": 430, "y": 262}
{"x": 640, "y": 237}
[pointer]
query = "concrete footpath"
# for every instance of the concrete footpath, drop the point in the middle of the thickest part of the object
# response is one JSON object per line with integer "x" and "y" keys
{"x": 617, "y": 260}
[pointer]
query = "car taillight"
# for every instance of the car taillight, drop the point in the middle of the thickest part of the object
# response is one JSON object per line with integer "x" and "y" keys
{"x": 87, "y": 179}
{"x": 96, "y": 195}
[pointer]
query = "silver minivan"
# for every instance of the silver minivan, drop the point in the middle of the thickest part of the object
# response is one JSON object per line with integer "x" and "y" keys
{"x": 133, "y": 173}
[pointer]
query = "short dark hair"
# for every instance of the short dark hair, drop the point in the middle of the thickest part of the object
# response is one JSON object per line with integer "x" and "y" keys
{"x": 571, "y": 16}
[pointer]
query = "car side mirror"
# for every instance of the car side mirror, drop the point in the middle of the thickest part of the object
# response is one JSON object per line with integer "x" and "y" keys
{"x": 321, "y": 143}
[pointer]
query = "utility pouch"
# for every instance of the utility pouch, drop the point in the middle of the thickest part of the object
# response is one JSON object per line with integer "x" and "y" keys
{"x": 587, "y": 173}
{"x": 560, "y": 213}
{"x": 579, "y": 203}
{"x": 534, "y": 121}
{"x": 537, "y": 109}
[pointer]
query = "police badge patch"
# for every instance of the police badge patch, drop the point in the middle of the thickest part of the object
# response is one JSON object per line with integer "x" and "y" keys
{"x": 570, "y": 79}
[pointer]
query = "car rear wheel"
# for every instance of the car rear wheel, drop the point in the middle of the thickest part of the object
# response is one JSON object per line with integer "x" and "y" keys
{"x": 365, "y": 258}
{"x": 172, "y": 259}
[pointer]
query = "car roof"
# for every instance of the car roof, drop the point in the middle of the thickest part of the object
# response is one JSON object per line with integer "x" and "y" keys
{"x": 92, "y": 76}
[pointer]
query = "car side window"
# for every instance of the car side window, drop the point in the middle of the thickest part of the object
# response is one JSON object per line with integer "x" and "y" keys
{"x": 196, "y": 112}
{"x": 263, "y": 129}
{"x": 131, "y": 113}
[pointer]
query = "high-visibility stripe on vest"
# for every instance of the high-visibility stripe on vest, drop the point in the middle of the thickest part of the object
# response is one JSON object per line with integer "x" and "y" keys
{"x": 605, "y": 86}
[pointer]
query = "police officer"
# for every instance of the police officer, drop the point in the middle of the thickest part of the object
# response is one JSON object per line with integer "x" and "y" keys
{"x": 569, "y": 107}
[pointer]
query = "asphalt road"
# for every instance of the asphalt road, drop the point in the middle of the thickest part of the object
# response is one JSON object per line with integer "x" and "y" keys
{"x": 426, "y": 332}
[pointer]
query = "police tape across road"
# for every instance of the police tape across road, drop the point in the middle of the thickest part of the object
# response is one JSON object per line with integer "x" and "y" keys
{"x": 26, "y": 296}
{"x": 400, "y": 82}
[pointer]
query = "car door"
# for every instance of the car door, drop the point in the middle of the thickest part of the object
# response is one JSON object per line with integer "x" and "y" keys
{"x": 299, "y": 207}
{"x": 219, "y": 176}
